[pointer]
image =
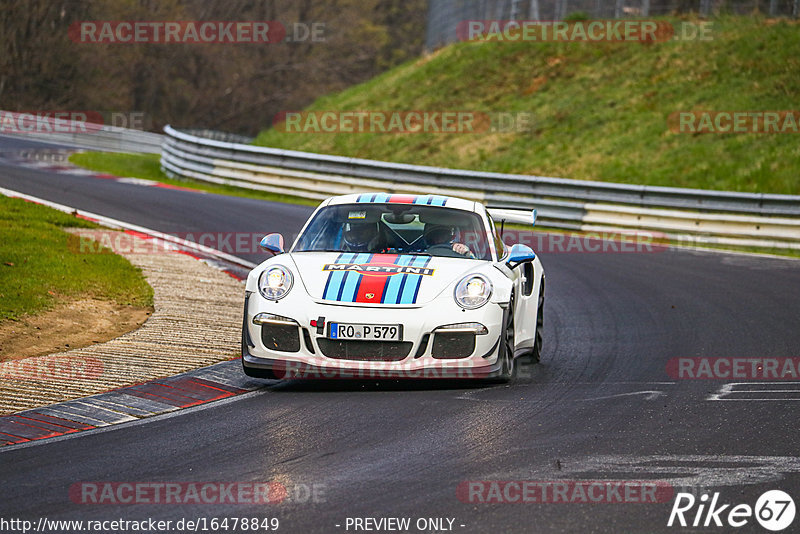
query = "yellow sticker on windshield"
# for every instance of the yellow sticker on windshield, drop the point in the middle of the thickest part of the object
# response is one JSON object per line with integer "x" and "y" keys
{"x": 357, "y": 215}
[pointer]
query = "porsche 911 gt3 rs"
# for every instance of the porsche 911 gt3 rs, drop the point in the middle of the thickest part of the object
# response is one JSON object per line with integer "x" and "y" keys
{"x": 380, "y": 285}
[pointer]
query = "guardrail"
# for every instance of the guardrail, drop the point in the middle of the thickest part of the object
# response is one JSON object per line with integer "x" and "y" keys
{"x": 83, "y": 135}
{"x": 747, "y": 219}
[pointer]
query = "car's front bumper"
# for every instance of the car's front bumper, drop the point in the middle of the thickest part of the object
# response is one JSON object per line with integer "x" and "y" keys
{"x": 307, "y": 359}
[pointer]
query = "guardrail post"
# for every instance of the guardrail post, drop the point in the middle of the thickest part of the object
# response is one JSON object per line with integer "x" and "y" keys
{"x": 533, "y": 9}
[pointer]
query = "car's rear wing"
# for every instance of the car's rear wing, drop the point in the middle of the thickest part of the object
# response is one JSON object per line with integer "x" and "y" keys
{"x": 512, "y": 214}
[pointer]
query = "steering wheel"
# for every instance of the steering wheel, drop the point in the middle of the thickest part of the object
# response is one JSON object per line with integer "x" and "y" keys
{"x": 446, "y": 250}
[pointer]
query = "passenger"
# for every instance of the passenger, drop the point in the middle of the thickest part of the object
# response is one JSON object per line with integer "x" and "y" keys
{"x": 439, "y": 236}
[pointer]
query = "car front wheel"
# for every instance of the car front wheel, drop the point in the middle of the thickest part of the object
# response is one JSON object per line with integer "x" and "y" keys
{"x": 506, "y": 353}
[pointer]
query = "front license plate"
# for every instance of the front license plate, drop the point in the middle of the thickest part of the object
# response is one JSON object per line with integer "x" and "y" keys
{"x": 366, "y": 332}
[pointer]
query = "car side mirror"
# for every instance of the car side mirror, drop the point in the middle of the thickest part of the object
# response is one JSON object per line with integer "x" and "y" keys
{"x": 272, "y": 243}
{"x": 520, "y": 254}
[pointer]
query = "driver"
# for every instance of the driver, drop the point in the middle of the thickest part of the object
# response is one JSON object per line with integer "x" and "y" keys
{"x": 442, "y": 234}
{"x": 360, "y": 237}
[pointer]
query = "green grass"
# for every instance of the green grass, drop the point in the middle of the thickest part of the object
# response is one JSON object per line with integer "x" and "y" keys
{"x": 600, "y": 109}
{"x": 39, "y": 267}
{"x": 147, "y": 166}
{"x": 121, "y": 164}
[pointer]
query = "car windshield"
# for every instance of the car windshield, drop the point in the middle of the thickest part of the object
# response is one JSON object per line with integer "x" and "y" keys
{"x": 396, "y": 229}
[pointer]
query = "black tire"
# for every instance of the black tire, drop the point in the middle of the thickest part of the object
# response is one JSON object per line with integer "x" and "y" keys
{"x": 536, "y": 353}
{"x": 506, "y": 352}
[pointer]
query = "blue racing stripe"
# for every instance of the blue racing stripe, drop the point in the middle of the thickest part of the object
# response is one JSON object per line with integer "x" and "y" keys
{"x": 334, "y": 283}
{"x": 367, "y": 198}
{"x": 410, "y": 287}
{"x": 403, "y": 280}
{"x": 348, "y": 290}
{"x": 391, "y": 292}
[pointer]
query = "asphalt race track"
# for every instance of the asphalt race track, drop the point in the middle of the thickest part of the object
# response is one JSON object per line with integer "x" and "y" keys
{"x": 601, "y": 405}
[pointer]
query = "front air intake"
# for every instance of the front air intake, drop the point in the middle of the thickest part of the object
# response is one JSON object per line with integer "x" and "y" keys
{"x": 365, "y": 351}
{"x": 281, "y": 337}
{"x": 453, "y": 345}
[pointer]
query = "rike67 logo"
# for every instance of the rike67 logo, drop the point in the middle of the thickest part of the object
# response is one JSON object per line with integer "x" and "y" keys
{"x": 774, "y": 510}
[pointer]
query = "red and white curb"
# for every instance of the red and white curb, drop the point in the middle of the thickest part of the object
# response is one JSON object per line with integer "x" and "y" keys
{"x": 127, "y": 404}
{"x": 132, "y": 403}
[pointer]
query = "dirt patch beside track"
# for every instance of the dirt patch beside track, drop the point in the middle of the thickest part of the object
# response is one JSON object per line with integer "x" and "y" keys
{"x": 196, "y": 323}
{"x": 70, "y": 325}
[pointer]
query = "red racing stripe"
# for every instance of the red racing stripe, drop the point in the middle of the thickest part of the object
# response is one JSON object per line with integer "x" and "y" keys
{"x": 373, "y": 284}
{"x": 402, "y": 199}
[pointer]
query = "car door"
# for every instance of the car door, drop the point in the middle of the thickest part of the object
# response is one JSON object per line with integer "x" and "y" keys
{"x": 524, "y": 284}
{"x": 526, "y": 305}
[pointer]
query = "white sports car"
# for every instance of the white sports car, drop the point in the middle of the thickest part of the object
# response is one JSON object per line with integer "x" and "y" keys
{"x": 381, "y": 285}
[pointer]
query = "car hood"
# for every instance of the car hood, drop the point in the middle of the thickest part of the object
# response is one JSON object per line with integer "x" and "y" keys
{"x": 379, "y": 279}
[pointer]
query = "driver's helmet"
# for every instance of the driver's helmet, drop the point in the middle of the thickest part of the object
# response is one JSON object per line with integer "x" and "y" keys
{"x": 360, "y": 236}
{"x": 439, "y": 234}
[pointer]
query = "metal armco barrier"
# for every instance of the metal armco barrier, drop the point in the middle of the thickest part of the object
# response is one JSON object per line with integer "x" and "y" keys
{"x": 747, "y": 219}
{"x": 86, "y": 135}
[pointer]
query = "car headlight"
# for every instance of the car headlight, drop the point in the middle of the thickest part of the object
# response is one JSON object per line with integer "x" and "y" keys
{"x": 275, "y": 282}
{"x": 473, "y": 291}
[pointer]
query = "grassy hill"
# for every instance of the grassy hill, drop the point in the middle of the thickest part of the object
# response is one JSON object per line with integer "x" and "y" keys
{"x": 599, "y": 110}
